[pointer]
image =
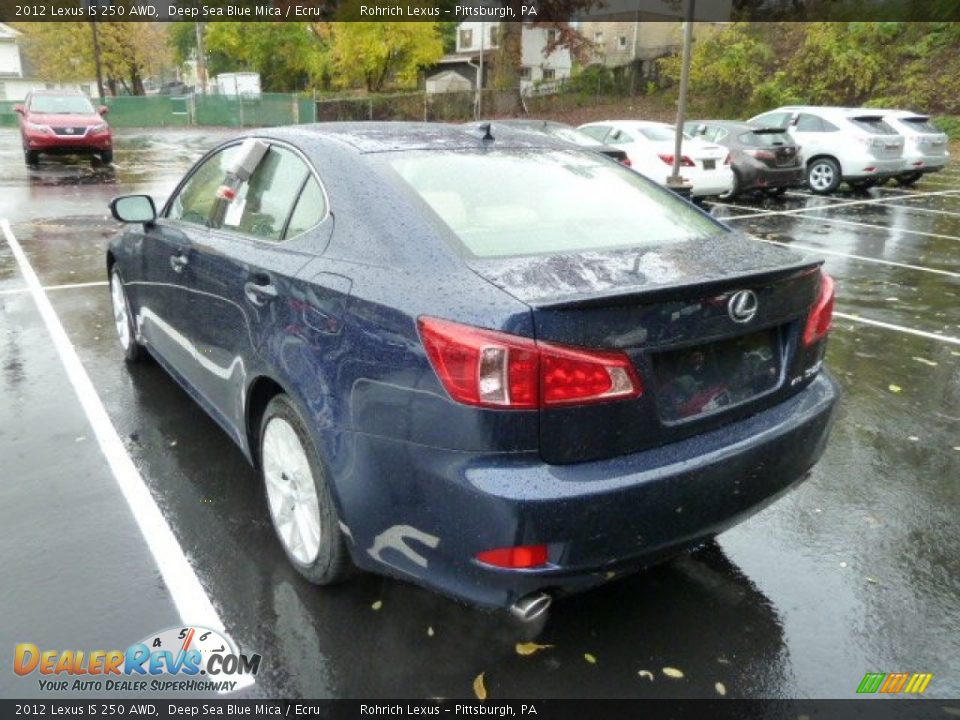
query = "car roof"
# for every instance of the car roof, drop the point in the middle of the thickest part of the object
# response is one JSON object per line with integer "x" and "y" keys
{"x": 727, "y": 124}
{"x": 373, "y": 137}
{"x": 45, "y": 91}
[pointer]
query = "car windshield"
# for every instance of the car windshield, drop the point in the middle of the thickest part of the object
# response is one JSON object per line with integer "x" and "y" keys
{"x": 873, "y": 124}
{"x": 545, "y": 202}
{"x": 61, "y": 105}
{"x": 921, "y": 125}
{"x": 765, "y": 139}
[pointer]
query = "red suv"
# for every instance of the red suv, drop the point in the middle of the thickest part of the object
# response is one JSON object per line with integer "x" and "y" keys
{"x": 63, "y": 123}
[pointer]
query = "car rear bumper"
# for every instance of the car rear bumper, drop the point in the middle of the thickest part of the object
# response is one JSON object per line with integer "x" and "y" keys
{"x": 920, "y": 162}
{"x": 707, "y": 183}
{"x": 870, "y": 167}
{"x": 755, "y": 178}
{"x": 424, "y": 513}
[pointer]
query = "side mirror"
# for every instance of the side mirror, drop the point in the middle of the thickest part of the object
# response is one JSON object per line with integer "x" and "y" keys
{"x": 19, "y": 109}
{"x": 133, "y": 209}
{"x": 103, "y": 109}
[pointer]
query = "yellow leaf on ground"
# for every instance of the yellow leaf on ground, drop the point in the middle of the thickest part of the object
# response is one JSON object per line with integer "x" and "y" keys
{"x": 672, "y": 672}
{"x": 894, "y": 388}
{"x": 645, "y": 674}
{"x": 590, "y": 658}
{"x": 479, "y": 689}
{"x": 530, "y": 648}
{"x": 720, "y": 688}
{"x": 377, "y": 605}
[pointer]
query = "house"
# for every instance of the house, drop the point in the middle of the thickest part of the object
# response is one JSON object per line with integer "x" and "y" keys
{"x": 15, "y": 79}
{"x": 538, "y": 67}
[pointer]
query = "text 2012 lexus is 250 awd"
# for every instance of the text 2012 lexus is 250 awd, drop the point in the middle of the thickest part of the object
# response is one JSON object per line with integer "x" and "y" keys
{"x": 478, "y": 359}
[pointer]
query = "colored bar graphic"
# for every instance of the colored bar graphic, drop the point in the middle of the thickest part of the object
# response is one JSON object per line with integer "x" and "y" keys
{"x": 893, "y": 683}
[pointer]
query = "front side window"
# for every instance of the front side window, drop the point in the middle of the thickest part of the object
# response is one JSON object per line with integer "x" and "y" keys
{"x": 809, "y": 123}
{"x": 196, "y": 200}
{"x": 262, "y": 205}
{"x": 773, "y": 119}
{"x": 545, "y": 202}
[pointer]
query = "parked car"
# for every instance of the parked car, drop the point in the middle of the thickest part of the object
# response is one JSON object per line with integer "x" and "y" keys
{"x": 58, "y": 122}
{"x": 508, "y": 369}
{"x": 763, "y": 159}
{"x": 567, "y": 133}
{"x": 839, "y": 144}
{"x": 650, "y": 147}
{"x": 925, "y": 145}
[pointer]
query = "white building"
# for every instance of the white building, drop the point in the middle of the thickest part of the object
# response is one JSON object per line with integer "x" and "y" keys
{"x": 14, "y": 86}
{"x": 538, "y": 67}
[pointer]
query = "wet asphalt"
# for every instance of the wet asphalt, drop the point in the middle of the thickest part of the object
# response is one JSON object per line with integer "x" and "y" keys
{"x": 856, "y": 571}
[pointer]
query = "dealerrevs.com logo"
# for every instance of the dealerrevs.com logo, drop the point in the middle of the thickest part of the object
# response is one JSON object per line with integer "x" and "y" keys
{"x": 177, "y": 659}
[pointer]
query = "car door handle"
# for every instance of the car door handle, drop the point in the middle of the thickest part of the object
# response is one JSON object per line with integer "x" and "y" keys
{"x": 178, "y": 262}
{"x": 260, "y": 294}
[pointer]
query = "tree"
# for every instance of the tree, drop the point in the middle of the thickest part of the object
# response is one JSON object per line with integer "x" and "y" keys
{"x": 375, "y": 53}
{"x": 130, "y": 52}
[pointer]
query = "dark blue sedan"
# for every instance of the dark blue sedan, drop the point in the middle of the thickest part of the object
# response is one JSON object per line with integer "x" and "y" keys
{"x": 477, "y": 359}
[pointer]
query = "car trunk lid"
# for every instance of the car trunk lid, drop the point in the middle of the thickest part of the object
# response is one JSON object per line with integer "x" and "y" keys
{"x": 669, "y": 309}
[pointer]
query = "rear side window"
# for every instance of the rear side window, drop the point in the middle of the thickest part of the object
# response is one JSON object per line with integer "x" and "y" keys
{"x": 809, "y": 123}
{"x": 597, "y": 132}
{"x": 310, "y": 209}
{"x": 515, "y": 202}
{"x": 773, "y": 119}
{"x": 921, "y": 125}
{"x": 658, "y": 133}
{"x": 197, "y": 198}
{"x": 873, "y": 124}
{"x": 263, "y": 204}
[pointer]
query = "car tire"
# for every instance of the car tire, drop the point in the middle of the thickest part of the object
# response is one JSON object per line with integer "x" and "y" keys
{"x": 823, "y": 175}
{"x": 908, "y": 179}
{"x": 31, "y": 157}
{"x": 734, "y": 189}
{"x": 298, "y": 495}
{"x": 106, "y": 157}
{"x": 123, "y": 319}
{"x": 864, "y": 185}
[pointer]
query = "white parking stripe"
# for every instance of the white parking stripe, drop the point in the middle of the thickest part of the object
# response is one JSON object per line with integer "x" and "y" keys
{"x": 888, "y": 202}
{"x": 875, "y": 227}
{"x": 191, "y": 600}
{"x": 795, "y": 211}
{"x": 892, "y": 201}
{"x": 863, "y": 258}
{"x": 899, "y": 328}
{"x": 48, "y": 288}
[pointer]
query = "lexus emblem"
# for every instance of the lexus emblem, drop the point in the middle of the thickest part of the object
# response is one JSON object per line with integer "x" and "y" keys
{"x": 69, "y": 131}
{"x": 742, "y": 306}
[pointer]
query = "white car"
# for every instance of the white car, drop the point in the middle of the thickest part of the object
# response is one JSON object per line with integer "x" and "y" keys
{"x": 840, "y": 144}
{"x": 925, "y": 148}
{"x": 650, "y": 145}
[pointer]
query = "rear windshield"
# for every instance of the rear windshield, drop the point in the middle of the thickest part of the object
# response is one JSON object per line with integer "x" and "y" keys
{"x": 60, "y": 104}
{"x": 873, "y": 124}
{"x": 657, "y": 133}
{"x": 570, "y": 135}
{"x": 765, "y": 139}
{"x": 544, "y": 202}
{"x": 921, "y": 125}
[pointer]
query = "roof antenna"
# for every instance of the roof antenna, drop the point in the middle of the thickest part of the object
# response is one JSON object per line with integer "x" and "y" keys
{"x": 487, "y": 135}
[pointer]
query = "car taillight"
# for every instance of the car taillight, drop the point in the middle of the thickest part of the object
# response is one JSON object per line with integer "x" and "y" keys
{"x": 761, "y": 154}
{"x": 495, "y": 369}
{"x": 818, "y": 323}
{"x": 626, "y": 161}
{"x": 668, "y": 159}
{"x": 727, "y": 160}
{"x": 521, "y": 556}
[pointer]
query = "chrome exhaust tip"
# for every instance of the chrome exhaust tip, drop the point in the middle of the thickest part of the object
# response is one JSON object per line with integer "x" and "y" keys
{"x": 531, "y": 607}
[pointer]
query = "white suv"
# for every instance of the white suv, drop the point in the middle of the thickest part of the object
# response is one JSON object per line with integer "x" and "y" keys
{"x": 926, "y": 145}
{"x": 840, "y": 144}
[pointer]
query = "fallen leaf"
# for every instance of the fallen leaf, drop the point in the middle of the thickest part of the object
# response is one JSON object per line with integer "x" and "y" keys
{"x": 530, "y": 648}
{"x": 479, "y": 689}
{"x": 720, "y": 688}
{"x": 872, "y": 580}
{"x": 645, "y": 674}
{"x": 843, "y": 564}
{"x": 590, "y": 658}
{"x": 931, "y": 363}
{"x": 377, "y": 605}
{"x": 430, "y": 631}
{"x": 672, "y": 672}
{"x": 173, "y": 443}
{"x": 913, "y": 438}
{"x": 894, "y": 388}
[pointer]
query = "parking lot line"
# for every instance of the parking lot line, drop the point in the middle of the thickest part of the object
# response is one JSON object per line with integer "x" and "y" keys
{"x": 898, "y": 328}
{"x": 797, "y": 211}
{"x": 888, "y": 202}
{"x": 48, "y": 288}
{"x": 863, "y": 258}
{"x": 874, "y": 226}
{"x": 188, "y": 595}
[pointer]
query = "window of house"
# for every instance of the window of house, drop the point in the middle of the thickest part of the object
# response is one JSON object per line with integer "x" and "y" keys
{"x": 466, "y": 38}
{"x": 551, "y": 36}
{"x": 622, "y": 42}
{"x": 525, "y": 73}
{"x": 494, "y": 35}
{"x": 598, "y": 37}
{"x": 549, "y": 74}
{"x": 3, "y": 90}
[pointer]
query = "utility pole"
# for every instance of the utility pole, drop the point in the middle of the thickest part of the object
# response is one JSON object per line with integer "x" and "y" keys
{"x": 483, "y": 32}
{"x": 96, "y": 59}
{"x": 201, "y": 60}
{"x": 675, "y": 182}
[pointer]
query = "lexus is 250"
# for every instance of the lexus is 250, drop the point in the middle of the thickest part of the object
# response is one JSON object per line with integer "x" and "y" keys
{"x": 478, "y": 359}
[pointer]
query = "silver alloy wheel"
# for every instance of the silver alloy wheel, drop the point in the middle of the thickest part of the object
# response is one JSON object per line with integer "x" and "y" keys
{"x": 291, "y": 491}
{"x": 121, "y": 316}
{"x": 821, "y": 176}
